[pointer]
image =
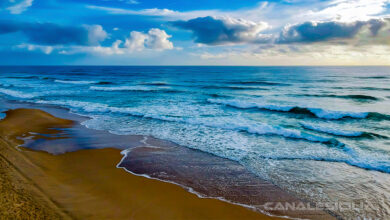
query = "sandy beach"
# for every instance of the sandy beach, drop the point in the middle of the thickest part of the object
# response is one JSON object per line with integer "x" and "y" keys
{"x": 224, "y": 109}
{"x": 86, "y": 184}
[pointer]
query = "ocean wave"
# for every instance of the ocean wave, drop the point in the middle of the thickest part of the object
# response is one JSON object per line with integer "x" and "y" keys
{"x": 363, "y": 163}
{"x": 332, "y": 131}
{"x": 344, "y": 133}
{"x": 258, "y": 83}
{"x": 6, "y": 85}
{"x": 361, "y": 97}
{"x": 137, "y": 89}
{"x": 104, "y": 83}
{"x": 265, "y": 129}
{"x": 32, "y": 95}
{"x": 22, "y": 77}
{"x": 371, "y": 77}
{"x": 252, "y": 128}
{"x": 233, "y": 87}
{"x": 75, "y": 82}
{"x": 363, "y": 88}
{"x": 317, "y": 112}
{"x": 48, "y": 78}
{"x": 86, "y": 106}
{"x": 353, "y": 97}
{"x": 215, "y": 95}
{"x": 17, "y": 94}
{"x": 122, "y": 88}
{"x": 155, "y": 83}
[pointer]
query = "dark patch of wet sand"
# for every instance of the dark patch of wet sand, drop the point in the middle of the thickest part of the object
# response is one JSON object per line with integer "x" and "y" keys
{"x": 211, "y": 176}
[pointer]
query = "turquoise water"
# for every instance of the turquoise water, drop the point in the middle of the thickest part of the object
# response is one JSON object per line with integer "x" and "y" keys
{"x": 321, "y": 133}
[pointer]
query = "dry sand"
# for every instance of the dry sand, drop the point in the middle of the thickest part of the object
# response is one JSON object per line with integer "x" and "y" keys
{"x": 86, "y": 184}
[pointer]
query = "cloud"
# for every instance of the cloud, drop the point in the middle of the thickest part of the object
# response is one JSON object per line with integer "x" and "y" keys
{"x": 96, "y": 34}
{"x": 277, "y": 14}
{"x": 302, "y": 54}
{"x": 17, "y": 6}
{"x": 53, "y": 34}
{"x": 350, "y": 10}
{"x": 153, "y": 40}
{"x": 145, "y": 12}
{"x": 226, "y": 30}
{"x": 158, "y": 39}
{"x": 136, "y": 41}
{"x": 311, "y": 32}
{"x": 9, "y": 27}
{"x": 32, "y": 47}
{"x": 173, "y": 15}
{"x": 132, "y": 2}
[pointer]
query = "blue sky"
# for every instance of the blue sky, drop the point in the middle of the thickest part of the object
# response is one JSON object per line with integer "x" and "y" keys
{"x": 203, "y": 32}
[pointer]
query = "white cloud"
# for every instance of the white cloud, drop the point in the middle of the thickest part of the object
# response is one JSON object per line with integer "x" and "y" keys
{"x": 158, "y": 39}
{"x": 146, "y": 12}
{"x": 349, "y": 10}
{"x": 114, "y": 49}
{"x": 32, "y": 47}
{"x": 136, "y": 41}
{"x": 19, "y": 6}
{"x": 153, "y": 40}
{"x": 164, "y": 13}
{"x": 96, "y": 34}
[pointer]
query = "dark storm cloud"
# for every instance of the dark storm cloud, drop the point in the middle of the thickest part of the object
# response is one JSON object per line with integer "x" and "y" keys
{"x": 52, "y": 34}
{"x": 213, "y": 31}
{"x": 9, "y": 27}
{"x": 217, "y": 31}
{"x": 311, "y": 32}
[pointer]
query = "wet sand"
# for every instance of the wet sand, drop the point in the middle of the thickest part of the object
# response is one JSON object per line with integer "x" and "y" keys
{"x": 86, "y": 184}
{"x": 212, "y": 176}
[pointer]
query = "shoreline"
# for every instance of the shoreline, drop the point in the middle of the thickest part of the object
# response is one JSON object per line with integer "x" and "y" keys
{"x": 66, "y": 179}
{"x": 136, "y": 141}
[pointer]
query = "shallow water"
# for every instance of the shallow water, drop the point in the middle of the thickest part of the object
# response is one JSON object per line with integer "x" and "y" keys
{"x": 321, "y": 133}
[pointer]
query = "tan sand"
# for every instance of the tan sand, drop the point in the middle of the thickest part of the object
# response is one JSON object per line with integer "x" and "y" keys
{"x": 86, "y": 184}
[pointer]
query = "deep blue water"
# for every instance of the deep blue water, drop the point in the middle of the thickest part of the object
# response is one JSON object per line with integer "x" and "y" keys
{"x": 319, "y": 132}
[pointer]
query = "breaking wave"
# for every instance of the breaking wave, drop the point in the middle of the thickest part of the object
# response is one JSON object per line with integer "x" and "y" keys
{"x": 75, "y": 82}
{"x": 317, "y": 112}
{"x": 17, "y": 94}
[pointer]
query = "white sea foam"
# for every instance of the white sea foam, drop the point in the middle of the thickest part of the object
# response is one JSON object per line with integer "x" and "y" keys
{"x": 31, "y": 95}
{"x": 75, "y": 82}
{"x": 318, "y": 112}
{"x": 17, "y": 94}
{"x": 332, "y": 130}
{"x": 250, "y": 127}
{"x": 245, "y": 126}
{"x": 329, "y": 114}
{"x": 86, "y": 106}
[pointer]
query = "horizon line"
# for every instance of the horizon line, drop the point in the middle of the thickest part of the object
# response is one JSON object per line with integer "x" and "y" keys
{"x": 45, "y": 65}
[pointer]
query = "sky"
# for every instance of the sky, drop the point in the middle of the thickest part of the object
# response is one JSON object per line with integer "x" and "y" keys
{"x": 202, "y": 32}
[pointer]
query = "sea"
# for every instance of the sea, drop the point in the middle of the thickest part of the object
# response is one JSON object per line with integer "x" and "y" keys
{"x": 319, "y": 133}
